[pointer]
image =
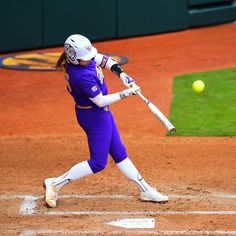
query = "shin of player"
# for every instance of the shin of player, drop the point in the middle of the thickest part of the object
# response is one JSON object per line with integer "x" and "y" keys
{"x": 80, "y": 170}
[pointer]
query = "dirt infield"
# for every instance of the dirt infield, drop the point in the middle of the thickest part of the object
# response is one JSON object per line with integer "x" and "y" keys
{"x": 40, "y": 138}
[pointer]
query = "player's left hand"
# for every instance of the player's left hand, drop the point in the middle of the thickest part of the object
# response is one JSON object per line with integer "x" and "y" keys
{"x": 127, "y": 80}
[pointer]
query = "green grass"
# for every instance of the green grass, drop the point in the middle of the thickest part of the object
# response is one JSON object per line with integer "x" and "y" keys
{"x": 209, "y": 113}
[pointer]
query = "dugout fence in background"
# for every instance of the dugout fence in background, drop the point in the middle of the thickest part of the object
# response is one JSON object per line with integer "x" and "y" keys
{"x": 28, "y": 24}
{"x": 206, "y": 12}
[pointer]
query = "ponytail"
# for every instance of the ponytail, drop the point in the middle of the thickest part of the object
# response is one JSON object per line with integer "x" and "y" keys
{"x": 62, "y": 62}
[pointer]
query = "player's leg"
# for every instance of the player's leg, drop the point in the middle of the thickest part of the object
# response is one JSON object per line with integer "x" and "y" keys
{"x": 125, "y": 165}
{"x": 53, "y": 185}
{"x": 147, "y": 193}
{"x": 98, "y": 130}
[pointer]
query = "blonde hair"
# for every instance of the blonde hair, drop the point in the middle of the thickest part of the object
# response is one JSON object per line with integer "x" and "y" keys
{"x": 62, "y": 62}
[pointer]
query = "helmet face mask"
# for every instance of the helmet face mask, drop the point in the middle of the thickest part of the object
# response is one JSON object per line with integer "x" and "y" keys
{"x": 70, "y": 52}
{"x": 78, "y": 47}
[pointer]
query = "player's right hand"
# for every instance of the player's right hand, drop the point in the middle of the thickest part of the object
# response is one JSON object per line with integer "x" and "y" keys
{"x": 135, "y": 86}
{"x": 131, "y": 91}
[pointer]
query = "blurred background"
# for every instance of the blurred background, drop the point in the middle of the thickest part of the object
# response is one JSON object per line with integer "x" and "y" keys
{"x": 28, "y": 24}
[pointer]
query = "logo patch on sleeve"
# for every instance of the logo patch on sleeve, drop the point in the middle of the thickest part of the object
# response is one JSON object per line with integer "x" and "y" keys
{"x": 94, "y": 88}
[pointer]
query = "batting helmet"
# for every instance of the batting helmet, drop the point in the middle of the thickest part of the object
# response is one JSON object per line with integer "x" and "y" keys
{"x": 77, "y": 47}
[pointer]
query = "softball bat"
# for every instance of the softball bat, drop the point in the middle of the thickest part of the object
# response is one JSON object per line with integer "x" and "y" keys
{"x": 158, "y": 114}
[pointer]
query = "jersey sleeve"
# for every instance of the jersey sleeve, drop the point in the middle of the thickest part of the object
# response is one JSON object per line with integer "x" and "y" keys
{"x": 104, "y": 61}
{"x": 88, "y": 86}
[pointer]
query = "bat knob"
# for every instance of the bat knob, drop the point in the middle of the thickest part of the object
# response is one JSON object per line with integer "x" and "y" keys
{"x": 173, "y": 131}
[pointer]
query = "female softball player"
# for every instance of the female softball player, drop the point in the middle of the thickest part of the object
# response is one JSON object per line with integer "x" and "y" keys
{"x": 85, "y": 82}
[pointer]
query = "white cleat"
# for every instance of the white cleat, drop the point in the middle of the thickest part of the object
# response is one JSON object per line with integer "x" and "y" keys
{"x": 153, "y": 196}
{"x": 50, "y": 192}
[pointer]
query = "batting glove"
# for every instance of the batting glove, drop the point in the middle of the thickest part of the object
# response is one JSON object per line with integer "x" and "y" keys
{"x": 127, "y": 80}
{"x": 131, "y": 91}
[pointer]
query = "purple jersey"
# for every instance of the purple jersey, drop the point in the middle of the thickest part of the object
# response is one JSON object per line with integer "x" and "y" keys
{"x": 85, "y": 82}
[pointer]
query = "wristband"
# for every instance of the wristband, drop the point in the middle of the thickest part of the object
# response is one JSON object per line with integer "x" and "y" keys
{"x": 122, "y": 95}
{"x": 116, "y": 69}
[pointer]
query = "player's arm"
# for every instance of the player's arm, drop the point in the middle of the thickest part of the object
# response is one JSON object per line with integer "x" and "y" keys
{"x": 110, "y": 63}
{"x": 88, "y": 86}
{"x": 105, "y": 100}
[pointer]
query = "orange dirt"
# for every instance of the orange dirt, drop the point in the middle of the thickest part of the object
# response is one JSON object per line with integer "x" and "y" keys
{"x": 40, "y": 138}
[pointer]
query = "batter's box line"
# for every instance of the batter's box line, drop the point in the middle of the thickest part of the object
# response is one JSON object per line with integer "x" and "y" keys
{"x": 134, "y": 232}
{"x": 186, "y": 196}
{"x": 28, "y": 207}
{"x": 29, "y": 204}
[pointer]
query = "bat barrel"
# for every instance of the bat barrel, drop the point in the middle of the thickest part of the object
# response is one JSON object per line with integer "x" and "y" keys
{"x": 158, "y": 114}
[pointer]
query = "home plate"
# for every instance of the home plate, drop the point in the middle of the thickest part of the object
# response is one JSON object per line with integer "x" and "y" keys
{"x": 134, "y": 223}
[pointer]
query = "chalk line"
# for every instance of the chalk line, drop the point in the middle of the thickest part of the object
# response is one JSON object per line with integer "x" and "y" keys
{"x": 139, "y": 213}
{"x": 28, "y": 206}
{"x": 81, "y": 196}
{"x": 135, "y": 232}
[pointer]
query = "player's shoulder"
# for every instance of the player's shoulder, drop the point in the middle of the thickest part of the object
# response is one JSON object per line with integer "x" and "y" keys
{"x": 80, "y": 74}
{"x": 77, "y": 70}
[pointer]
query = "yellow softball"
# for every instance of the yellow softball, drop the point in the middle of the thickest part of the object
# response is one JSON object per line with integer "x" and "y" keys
{"x": 198, "y": 86}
